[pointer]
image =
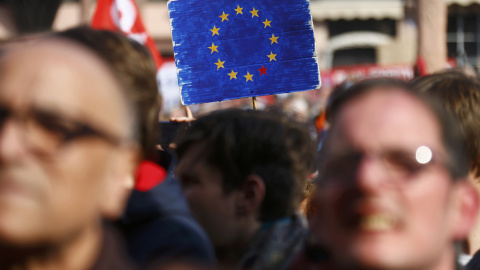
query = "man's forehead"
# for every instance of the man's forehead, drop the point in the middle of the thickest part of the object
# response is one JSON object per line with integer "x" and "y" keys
{"x": 22, "y": 82}
{"x": 57, "y": 62}
{"x": 61, "y": 75}
{"x": 390, "y": 118}
{"x": 195, "y": 160}
{"x": 194, "y": 156}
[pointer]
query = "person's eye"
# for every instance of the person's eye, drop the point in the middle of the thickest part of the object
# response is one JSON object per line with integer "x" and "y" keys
{"x": 4, "y": 113}
{"x": 55, "y": 126}
{"x": 402, "y": 163}
{"x": 343, "y": 165}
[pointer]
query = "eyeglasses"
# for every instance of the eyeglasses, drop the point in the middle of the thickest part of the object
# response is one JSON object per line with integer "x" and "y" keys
{"x": 47, "y": 132}
{"x": 397, "y": 164}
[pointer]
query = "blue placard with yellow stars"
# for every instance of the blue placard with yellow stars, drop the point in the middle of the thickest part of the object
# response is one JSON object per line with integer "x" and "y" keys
{"x": 226, "y": 49}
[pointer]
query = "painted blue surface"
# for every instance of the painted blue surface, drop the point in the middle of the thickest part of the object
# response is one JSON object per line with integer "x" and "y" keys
{"x": 244, "y": 43}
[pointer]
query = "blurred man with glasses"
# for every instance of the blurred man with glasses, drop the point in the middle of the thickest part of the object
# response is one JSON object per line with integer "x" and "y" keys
{"x": 392, "y": 187}
{"x": 66, "y": 150}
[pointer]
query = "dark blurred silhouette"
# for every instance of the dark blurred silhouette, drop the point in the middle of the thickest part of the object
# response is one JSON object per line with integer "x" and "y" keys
{"x": 32, "y": 16}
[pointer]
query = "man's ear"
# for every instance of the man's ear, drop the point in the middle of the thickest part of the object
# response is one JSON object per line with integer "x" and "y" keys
{"x": 250, "y": 196}
{"x": 465, "y": 210}
{"x": 120, "y": 181}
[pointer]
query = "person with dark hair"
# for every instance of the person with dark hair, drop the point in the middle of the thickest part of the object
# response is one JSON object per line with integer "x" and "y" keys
{"x": 157, "y": 225}
{"x": 392, "y": 189}
{"x": 460, "y": 95}
{"x": 242, "y": 173}
{"x": 67, "y": 155}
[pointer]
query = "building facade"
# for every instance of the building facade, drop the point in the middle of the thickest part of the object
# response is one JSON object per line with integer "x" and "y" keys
{"x": 348, "y": 32}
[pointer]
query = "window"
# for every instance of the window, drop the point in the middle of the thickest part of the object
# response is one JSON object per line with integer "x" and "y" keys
{"x": 385, "y": 26}
{"x": 355, "y": 56}
{"x": 463, "y": 35}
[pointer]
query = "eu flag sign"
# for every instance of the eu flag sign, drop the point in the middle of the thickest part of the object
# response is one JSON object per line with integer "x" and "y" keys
{"x": 227, "y": 49}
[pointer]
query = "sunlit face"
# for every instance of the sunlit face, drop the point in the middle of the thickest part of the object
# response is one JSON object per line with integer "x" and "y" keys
{"x": 50, "y": 194}
{"x": 378, "y": 207}
{"x": 203, "y": 188}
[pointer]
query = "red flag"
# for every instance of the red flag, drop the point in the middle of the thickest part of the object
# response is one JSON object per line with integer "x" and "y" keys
{"x": 420, "y": 67}
{"x": 123, "y": 15}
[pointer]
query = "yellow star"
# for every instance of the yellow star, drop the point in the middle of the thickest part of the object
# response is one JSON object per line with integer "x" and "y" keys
{"x": 215, "y": 31}
{"x": 272, "y": 56}
{"x": 224, "y": 16}
{"x": 267, "y": 23}
{"x": 249, "y": 76}
{"x": 239, "y": 10}
{"x": 233, "y": 74}
{"x": 219, "y": 64}
{"x": 213, "y": 48}
{"x": 254, "y": 12}
{"x": 273, "y": 39}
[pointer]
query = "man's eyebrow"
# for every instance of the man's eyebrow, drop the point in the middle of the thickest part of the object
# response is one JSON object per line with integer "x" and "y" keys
{"x": 189, "y": 167}
{"x": 51, "y": 108}
{"x": 64, "y": 113}
{"x": 343, "y": 149}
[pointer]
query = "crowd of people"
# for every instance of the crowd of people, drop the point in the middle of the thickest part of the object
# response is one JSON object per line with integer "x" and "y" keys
{"x": 392, "y": 181}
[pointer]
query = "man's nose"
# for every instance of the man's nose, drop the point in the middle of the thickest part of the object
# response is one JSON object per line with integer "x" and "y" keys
{"x": 12, "y": 141}
{"x": 371, "y": 174}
